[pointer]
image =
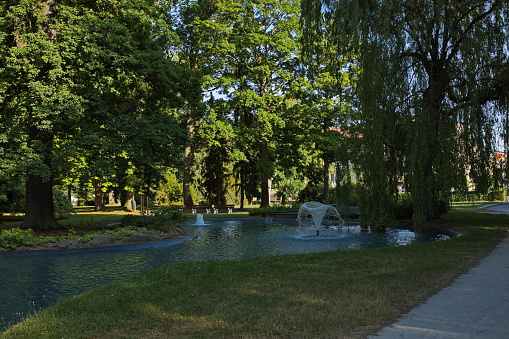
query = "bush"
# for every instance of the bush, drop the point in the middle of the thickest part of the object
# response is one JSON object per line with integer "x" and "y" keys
{"x": 16, "y": 237}
{"x": 63, "y": 206}
{"x": 167, "y": 218}
{"x": 311, "y": 193}
{"x": 261, "y": 212}
{"x": 12, "y": 197}
{"x": 442, "y": 206}
{"x": 164, "y": 219}
{"x": 404, "y": 208}
{"x": 264, "y": 211}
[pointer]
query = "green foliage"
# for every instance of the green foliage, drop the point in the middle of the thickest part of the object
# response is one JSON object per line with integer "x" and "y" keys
{"x": 491, "y": 195}
{"x": 287, "y": 185}
{"x": 167, "y": 218}
{"x": 247, "y": 52}
{"x": 62, "y": 204}
{"x": 164, "y": 219}
{"x": 16, "y": 237}
{"x": 418, "y": 124}
{"x": 404, "y": 208}
{"x": 82, "y": 86}
{"x": 311, "y": 193}
{"x": 264, "y": 211}
{"x": 170, "y": 190}
{"x": 119, "y": 232}
{"x": 132, "y": 220}
{"x": 12, "y": 196}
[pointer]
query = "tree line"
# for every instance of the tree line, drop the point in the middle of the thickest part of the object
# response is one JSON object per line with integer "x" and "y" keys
{"x": 225, "y": 96}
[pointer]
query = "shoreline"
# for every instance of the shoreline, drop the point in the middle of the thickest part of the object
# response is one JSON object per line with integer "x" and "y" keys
{"x": 100, "y": 241}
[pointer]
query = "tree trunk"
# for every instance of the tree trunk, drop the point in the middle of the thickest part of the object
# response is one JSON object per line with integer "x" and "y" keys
{"x": 186, "y": 185}
{"x": 283, "y": 199}
{"x": 98, "y": 200}
{"x": 326, "y": 165}
{"x": 264, "y": 157}
{"x": 39, "y": 211}
{"x": 69, "y": 193}
{"x": 428, "y": 145}
{"x": 129, "y": 198}
{"x": 242, "y": 188}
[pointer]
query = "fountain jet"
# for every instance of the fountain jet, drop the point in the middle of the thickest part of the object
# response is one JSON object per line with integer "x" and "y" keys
{"x": 312, "y": 214}
{"x": 199, "y": 220}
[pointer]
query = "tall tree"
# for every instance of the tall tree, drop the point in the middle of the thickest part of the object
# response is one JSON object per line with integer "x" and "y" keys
{"x": 266, "y": 53}
{"x": 68, "y": 65}
{"x": 197, "y": 51}
{"x": 246, "y": 52}
{"x": 37, "y": 99}
{"x": 428, "y": 76}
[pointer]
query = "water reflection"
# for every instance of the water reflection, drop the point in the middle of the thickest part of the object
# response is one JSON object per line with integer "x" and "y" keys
{"x": 32, "y": 280}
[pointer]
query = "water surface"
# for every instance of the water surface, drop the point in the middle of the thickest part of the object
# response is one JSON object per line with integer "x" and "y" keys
{"x": 31, "y": 281}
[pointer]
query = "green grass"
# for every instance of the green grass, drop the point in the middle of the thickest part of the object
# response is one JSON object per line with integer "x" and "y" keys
{"x": 472, "y": 205}
{"x": 80, "y": 219}
{"x": 346, "y": 294}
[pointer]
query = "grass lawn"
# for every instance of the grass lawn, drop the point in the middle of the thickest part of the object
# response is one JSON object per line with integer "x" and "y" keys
{"x": 345, "y": 294}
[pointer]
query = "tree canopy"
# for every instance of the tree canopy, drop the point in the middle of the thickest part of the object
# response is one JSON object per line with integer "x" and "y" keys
{"x": 77, "y": 73}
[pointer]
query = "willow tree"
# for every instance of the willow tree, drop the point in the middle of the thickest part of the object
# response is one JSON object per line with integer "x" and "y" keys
{"x": 426, "y": 92}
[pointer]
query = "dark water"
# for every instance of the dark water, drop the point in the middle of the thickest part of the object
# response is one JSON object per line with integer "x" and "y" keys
{"x": 30, "y": 281}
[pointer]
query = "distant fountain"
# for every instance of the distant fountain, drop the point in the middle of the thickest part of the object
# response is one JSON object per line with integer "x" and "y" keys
{"x": 199, "y": 220}
{"x": 317, "y": 215}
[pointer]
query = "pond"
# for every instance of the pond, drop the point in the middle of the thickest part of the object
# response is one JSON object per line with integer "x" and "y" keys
{"x": 30, "y": 281}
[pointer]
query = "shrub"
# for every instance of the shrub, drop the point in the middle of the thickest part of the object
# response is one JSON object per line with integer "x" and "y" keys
{"x": 16, "y": 237}
{"x": 264, "y": 211}
{"x": 167, "y": 218}
{"x": 62, "y": 205}
{"x": 164, "y": 219}
{"x": 311, "y": 193}
{"x": 404, "y": 208}
{"x": 442, "y": 206}
{"x": 129, "y": 220}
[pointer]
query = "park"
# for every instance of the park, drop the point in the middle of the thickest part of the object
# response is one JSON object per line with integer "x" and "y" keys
{"x": 134, "y": 134}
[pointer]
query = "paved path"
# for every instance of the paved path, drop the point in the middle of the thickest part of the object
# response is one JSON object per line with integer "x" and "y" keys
{"x": 474, "y": 306}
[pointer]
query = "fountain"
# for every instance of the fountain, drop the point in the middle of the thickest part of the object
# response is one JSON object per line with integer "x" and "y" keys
{"x": 318, "y": 215}
{"x": 199, "y": 220}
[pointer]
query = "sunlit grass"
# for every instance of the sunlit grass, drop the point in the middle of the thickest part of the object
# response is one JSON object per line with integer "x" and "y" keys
{"x": 472, "y": 205}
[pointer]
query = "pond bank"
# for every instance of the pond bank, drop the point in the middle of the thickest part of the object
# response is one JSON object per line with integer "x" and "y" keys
{"x": 102, "y": 240}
